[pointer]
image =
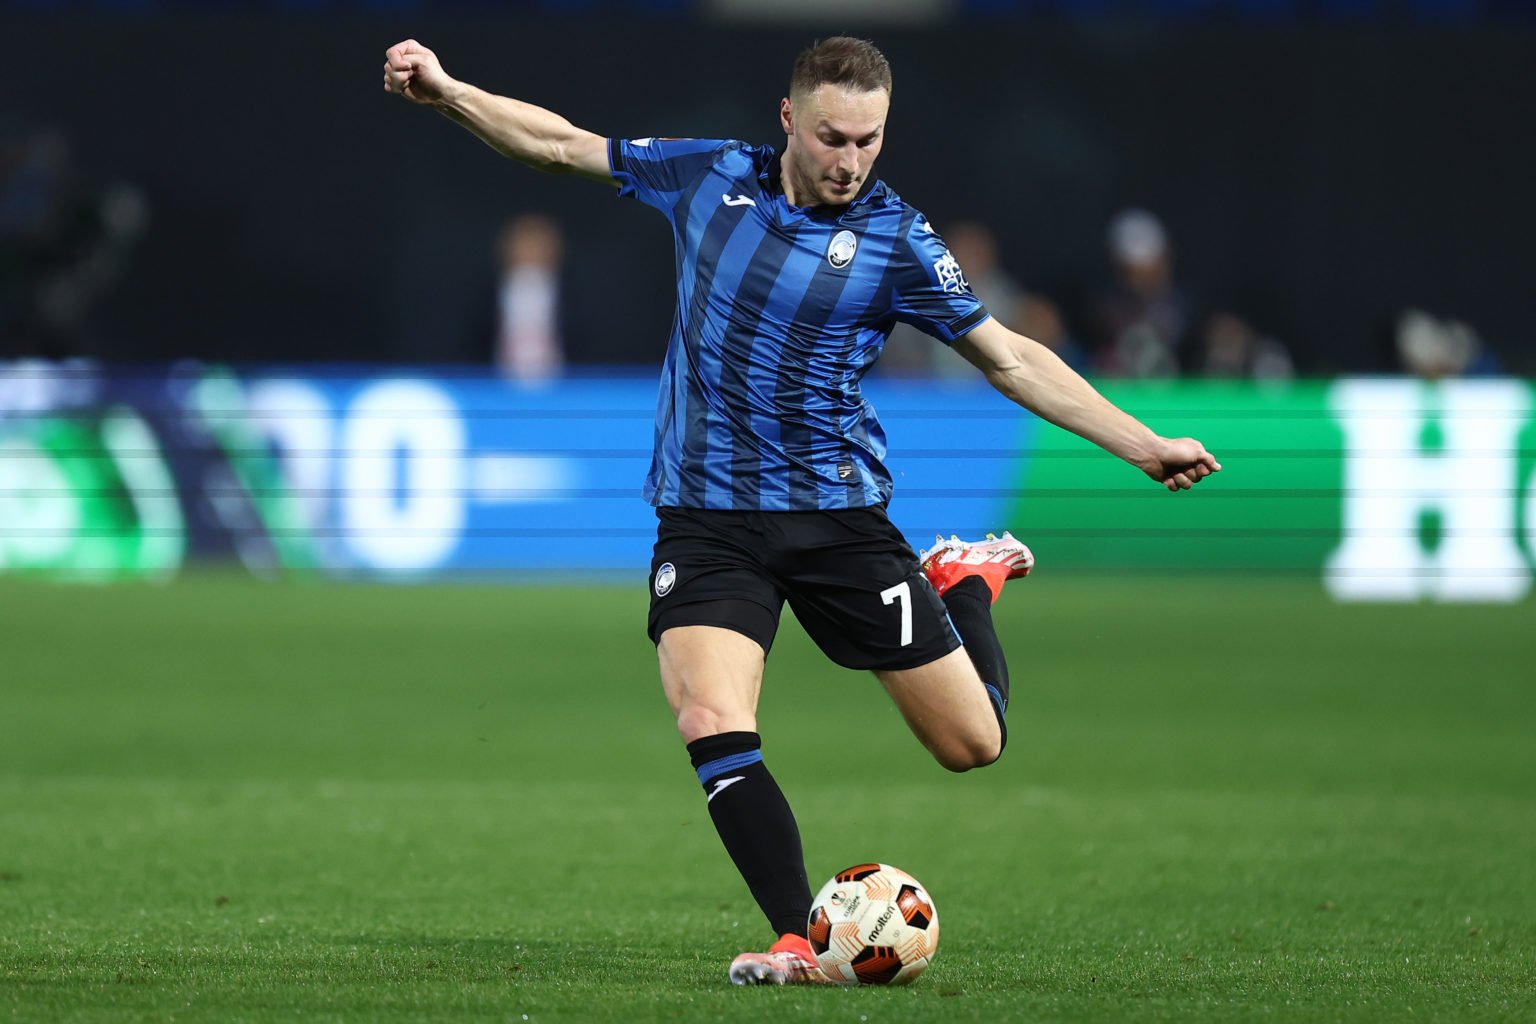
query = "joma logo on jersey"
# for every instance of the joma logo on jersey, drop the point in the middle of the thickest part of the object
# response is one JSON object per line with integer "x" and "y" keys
{"x": 951, "y": 279}
{"x": 841, "y": 249}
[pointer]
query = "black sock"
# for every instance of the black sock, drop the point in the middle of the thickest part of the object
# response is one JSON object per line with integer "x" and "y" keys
{"x": 970, "y": 609}
{"x": 756, "y": 825}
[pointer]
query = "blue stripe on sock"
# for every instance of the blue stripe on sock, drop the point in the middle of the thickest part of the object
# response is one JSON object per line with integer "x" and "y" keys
{"x": 720, "y": 765}
{"x": 997, "y": 699}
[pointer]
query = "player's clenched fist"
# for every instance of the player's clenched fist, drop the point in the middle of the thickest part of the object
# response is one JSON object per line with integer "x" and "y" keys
{"x": 1179, "y": 463}
{"x": 411, "y": 70}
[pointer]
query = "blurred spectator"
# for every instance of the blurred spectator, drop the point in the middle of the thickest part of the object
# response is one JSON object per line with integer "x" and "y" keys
{"x": 1432, "y": 348}
{"x": 1142, "y": 319}
{"x": 1230, "y": 347}
{"x": 974, "y": 247}
{"x": 63, "y": 243}
{"x": 528, "y": 342}
{"x": 1040, "y": 318}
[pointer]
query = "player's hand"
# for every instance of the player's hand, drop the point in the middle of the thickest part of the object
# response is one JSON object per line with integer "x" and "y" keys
{"x": 1179, "y": 463}
{"x": 411, "y": 70}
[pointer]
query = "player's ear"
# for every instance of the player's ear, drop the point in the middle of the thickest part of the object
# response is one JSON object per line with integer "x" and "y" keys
{"x": 787, "y": 116}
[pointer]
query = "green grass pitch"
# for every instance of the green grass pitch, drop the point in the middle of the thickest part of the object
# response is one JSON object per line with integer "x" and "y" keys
{"x": 1225, "y": 800}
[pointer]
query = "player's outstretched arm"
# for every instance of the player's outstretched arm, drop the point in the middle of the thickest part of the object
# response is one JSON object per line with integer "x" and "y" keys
{"x": 522, "y": 131}
{"x": 1036, "y": 378}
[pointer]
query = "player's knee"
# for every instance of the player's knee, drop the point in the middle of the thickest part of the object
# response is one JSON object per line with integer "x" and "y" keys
{"x": 696, "y": 721}
{"x": 972, "y": 750}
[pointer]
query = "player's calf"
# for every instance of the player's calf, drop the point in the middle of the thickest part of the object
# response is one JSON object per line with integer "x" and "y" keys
{"x": 970, "y": 577}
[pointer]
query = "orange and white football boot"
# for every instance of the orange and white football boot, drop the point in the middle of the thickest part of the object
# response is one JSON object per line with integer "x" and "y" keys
{"x": 996, "y": 560}
{"x": 789, "y": 961}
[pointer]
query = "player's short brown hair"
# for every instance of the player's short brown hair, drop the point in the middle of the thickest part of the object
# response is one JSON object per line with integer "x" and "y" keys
{"x": 855, "y": 64}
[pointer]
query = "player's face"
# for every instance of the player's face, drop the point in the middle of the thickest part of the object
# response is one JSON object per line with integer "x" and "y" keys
{"x": 834, "y": 137}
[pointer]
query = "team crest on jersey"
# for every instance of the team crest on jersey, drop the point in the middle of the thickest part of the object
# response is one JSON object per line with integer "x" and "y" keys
{"x": 840, "y": 252}
{"x": 951, "y": 278}
{"x": 666, "y": 577}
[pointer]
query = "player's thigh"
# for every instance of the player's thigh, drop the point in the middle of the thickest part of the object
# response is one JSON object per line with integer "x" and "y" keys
{"x": 712, "y": 677}
{"x": 707, "y": 570}
{"x": 946, "y": 706}
{"x": 713, "y": 616}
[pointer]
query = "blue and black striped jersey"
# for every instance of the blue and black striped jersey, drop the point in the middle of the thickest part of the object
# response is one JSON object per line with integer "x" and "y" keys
{"x": 780, "y": 311}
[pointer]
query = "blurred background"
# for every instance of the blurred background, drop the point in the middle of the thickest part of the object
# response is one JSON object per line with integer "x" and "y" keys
{"x": 251, "y": 306}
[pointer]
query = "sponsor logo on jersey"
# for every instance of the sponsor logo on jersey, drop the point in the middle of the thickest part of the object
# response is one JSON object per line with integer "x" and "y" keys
{"x": 738, "y": 201}
{"x": 845, "y": 470}
{"x": 951, "y": 278}
{"x": 666, "y": 576}
{"x": 841, "y": 249}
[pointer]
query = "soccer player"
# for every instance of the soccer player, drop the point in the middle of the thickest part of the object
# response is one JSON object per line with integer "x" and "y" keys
{"x": 767, "y": 475}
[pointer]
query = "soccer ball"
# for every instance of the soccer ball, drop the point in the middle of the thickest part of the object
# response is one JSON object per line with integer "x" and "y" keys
{"x": 873, "y": 925}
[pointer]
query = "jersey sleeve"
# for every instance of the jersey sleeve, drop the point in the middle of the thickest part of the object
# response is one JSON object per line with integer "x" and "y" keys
{"x": 658, "y": 171}
{"x": 932, "y": 293}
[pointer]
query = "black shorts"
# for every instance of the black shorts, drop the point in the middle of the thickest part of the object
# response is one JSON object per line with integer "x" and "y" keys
{"x": 850, "y": 577}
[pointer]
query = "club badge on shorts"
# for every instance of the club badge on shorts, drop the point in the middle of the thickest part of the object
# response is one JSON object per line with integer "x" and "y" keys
{"x": 666, "y": 576}
{"x": 841, "y": 249}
